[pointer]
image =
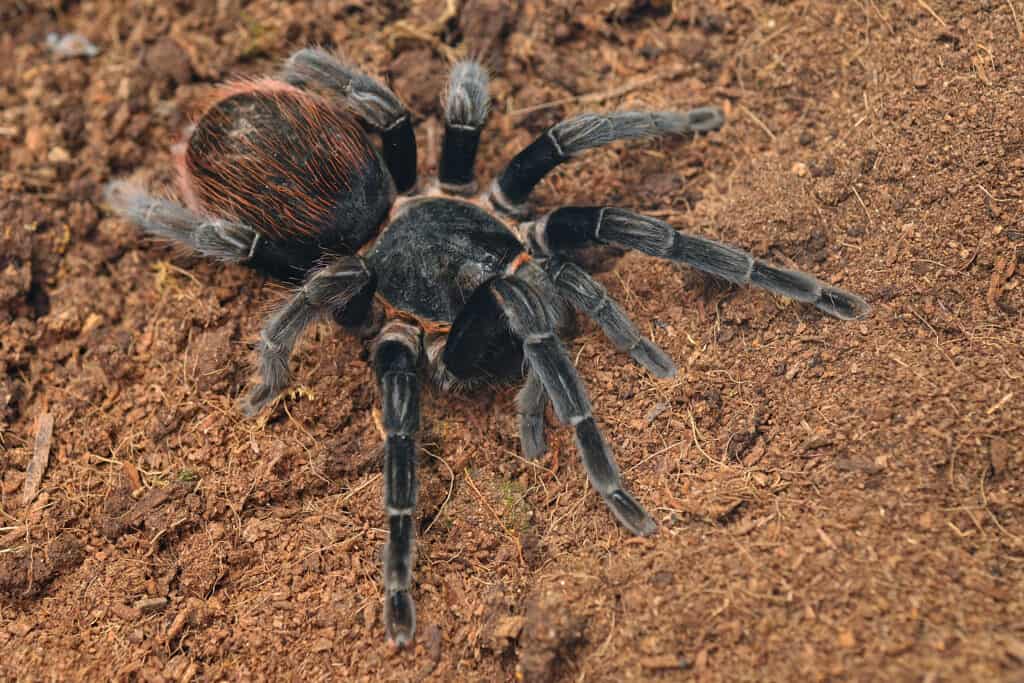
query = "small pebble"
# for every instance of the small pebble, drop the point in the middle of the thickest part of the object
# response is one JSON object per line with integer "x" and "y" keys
{"x": 58, "y": 155}
{"x": 70, "y": 45}
{"x": 166, "y": 59}
{"x": 35, "y": 139}
{"x": 847, "y": 640}
{"x": 509, "y": 627}
{"x": 147, "y": 605}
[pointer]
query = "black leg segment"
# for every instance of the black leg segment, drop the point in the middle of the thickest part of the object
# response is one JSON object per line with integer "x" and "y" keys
{"x": 565, "y": 140}
{"x": 398, "y": 147}
{"x": 466, "y": 105}
{"x": 396, "y": 355}
{"x": 578, "y": 226}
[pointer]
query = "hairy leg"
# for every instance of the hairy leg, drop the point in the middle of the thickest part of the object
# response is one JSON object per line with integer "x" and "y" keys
{"x": 373, "y": 102}
{"x": 531, "y": 322}
{"x": 328, "y": 291}
{"x": 466, "y": 105}
{"x": 565, "y": 140}
{"x": 227, "y": 241}
{"x": 576, "y": 226}
{"x": 531, "y": 402}
{"x": 396, "y": 355}
{"x": 588, "y": 296}
{"x": 211, "y": 237}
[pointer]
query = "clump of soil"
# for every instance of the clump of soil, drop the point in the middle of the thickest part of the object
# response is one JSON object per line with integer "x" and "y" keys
{"x": 835, "y": 500}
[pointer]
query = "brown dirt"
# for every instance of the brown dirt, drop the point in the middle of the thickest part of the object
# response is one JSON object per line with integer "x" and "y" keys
{"x": 836, "y": 500}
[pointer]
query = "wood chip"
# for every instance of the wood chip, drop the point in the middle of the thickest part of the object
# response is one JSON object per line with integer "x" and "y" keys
{"x": 662, "y": 662}
{"x": 152, "y": 499}
{"x": 20, "y": 629}
{"x": 12, "y": 482}
{"x": 654, "y": 412}
{"x": 132, "y": 472}
{"x": 748, "y": 525}
{"x": 148, "y": 605}
{"x": 509, "y": 627}
{"x": 179, "y": 623}
{"x": 1014, "y": 647}
{"x": 40, "y": 458}
{"x": 855, "y": 465}
{"x": 820, "y": 439}
{"x": 321, "y": 645}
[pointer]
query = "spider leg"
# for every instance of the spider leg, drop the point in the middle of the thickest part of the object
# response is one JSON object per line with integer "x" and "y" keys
{"x": 329, "y": 290}
{"x": 396, "y": 356}
{"x": 224, "y": 240}
{"x": 589, "y": 297}
{"x": 531, "y": 322}
{"x": 466, "y": 105}
{"x": 531, "y": 402}
{"x": 215, "y": 238}
{"x": 577, "y": 226}
{"x": 565, "y": 140}
{"x": 372, "y": 101}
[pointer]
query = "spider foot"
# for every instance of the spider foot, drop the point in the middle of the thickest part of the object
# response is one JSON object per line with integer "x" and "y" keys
{"x": 531, "y": 437}
{"x": 605, "y": 477}
{"x": 400, "y": 618}
{"x": 630, "y": 513}
{"x": 531, "y": 403}
{"x": 588, "y": 295}
{"x": 842, "y": 304}
{"x": 257, "y": 400}
{"x": 580, "y": 226}
{"x": 652, "y": 357}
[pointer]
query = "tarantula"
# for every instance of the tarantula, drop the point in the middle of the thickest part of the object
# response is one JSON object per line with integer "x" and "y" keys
{"x": 279, "y": 174}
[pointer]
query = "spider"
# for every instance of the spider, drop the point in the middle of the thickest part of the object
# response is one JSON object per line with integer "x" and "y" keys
{"x": 279, "y": 174}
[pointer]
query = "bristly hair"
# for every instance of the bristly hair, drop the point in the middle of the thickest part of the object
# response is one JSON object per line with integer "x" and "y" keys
{"x": 587, "y": 131}
{"x": 466, "y": 99}
{"x": 317, "y": 68}
{"x": 274, "y": 157}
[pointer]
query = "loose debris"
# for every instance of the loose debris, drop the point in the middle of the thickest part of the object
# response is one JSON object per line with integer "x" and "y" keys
{"x": 40, "y": 459}
{"x": 70, "y": 45}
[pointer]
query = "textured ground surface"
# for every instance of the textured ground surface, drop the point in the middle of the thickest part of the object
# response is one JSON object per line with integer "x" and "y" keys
{"x": 836, "y": 501}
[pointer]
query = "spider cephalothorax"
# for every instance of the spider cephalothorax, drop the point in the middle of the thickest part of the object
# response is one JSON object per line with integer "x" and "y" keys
{"x": 279, "y": 175}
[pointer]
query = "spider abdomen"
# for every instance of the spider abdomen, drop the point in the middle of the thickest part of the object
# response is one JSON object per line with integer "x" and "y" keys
{"x": 435, "y": 253}
{"x": 293, "y": 166}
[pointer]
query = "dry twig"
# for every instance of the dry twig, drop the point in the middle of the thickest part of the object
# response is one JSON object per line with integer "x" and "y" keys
{"x": 40, "y": 458}
{"x": 930, "y": 11}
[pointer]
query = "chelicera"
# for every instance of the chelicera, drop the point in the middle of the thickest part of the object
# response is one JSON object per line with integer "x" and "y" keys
{"x": 449, "y": 284}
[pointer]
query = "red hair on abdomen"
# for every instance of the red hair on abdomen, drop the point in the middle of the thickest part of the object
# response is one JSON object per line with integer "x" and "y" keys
{"x": 272, "y": 156}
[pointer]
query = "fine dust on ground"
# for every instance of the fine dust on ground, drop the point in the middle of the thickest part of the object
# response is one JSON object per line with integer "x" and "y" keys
{"x": 836, "y": 500}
